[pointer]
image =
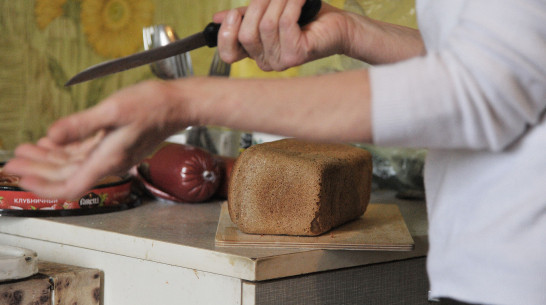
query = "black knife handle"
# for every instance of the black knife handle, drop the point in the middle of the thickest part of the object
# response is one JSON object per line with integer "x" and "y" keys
{"x": 211, "y": 34}
{"x": 309, "y": 11}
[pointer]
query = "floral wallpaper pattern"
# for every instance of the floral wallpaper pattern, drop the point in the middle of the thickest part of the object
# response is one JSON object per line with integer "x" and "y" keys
{"x": 112, "y": 27}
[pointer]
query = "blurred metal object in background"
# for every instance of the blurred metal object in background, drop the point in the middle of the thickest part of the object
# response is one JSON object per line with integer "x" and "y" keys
{"x": 178, "y": 67}
{"x": 218, "y": 67}
{"x": 170, "y": 68}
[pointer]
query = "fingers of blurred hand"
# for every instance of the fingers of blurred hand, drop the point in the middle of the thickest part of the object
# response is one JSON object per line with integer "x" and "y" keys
{"x": 42, "y": 187}
{"x": 44, "y": 169}
{"x": 64, "y": 177}
{"x": 51, "y": 189}
{"x": 84, "y": 124}
{"x": 47, "y": 143}
{"x": 47, "y": 151}
{"x": 48, "y": 169}
{"x": 80, "y": 150}
{"x": 229, "y": 48}
{"x": 41, "y": 153}
{"x": 112, "y": 156}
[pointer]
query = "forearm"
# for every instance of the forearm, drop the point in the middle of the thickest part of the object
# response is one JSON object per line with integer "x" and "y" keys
{"x": 333, "y": 107}
{"x": 378, "y": 42}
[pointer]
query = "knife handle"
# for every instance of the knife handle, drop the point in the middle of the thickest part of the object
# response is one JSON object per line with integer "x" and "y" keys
{"x": 211, "y": 34}
{"x": 309, "y": 11}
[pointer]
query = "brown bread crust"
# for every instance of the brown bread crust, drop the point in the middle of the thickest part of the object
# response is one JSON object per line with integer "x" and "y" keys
{"x": 294, "y": 187}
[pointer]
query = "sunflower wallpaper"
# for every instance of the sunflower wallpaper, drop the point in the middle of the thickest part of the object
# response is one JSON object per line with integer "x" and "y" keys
{"x": 45, "y": 42}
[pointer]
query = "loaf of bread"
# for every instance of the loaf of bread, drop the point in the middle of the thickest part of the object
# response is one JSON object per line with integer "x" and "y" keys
{"x": 294, "y": 187}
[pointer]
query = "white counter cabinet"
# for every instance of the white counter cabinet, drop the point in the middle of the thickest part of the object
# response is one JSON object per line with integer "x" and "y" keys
{"x": 161, "y": 253}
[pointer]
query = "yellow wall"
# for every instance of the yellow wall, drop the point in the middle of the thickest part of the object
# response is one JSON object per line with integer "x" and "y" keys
{"x": 45, "y": 42}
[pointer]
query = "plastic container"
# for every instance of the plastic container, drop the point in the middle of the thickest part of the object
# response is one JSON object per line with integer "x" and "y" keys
{"x": 111, "y": 194}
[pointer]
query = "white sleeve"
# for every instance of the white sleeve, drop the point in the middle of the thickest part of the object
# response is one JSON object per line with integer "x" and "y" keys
{"x": 481, "y": 87}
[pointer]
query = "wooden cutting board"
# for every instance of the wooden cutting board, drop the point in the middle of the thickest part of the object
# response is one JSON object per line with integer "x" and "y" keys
{"x": 382, "y": 228}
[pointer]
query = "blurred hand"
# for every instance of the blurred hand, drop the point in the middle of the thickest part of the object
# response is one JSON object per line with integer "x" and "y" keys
{"x": 108, "y": 138}
{"x": 269, "y": 34}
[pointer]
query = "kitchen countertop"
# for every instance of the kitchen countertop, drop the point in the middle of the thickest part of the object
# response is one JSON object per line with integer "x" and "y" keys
{"x": 183, "y": 235}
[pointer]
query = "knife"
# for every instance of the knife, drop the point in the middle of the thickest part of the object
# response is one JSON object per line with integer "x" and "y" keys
{"x": 208, "y": 37}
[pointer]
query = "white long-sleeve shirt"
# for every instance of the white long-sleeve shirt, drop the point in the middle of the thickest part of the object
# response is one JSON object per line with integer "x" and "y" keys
{"x": 477, "y": 100}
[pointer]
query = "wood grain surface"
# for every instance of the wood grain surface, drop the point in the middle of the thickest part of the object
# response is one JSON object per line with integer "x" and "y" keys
{"x": 381, "y": 228}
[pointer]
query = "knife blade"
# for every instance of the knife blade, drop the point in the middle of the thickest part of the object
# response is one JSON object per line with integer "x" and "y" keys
{"x": 207, "y": 37}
